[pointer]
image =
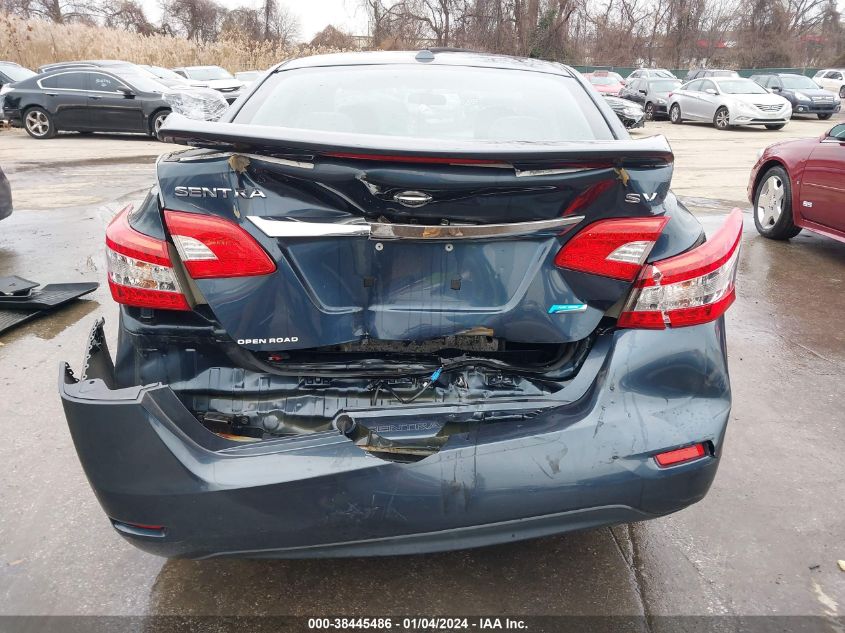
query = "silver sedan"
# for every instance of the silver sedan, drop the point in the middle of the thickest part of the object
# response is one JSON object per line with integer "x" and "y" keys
{"x": 728, "y": 101}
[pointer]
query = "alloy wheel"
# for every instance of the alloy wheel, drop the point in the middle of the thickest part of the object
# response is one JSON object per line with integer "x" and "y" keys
{"x": 675, "y": 114}
{"x": 770, "y": 202}
{"x": 649, "y": 111}
{"x": 37, "y": 123}
{"x": 723, "y": 119}
{"x": 159, "y": 121}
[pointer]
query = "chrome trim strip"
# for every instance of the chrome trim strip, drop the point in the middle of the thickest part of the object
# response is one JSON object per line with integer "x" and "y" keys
{"x": 525, "y": 173}
{"x": 295, "y": 228}
{"x": 388, "y": 231}
{"x": 267, "y": 159}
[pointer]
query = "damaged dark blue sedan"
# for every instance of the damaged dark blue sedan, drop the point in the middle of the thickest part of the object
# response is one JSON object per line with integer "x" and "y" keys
{"x": 405, "y": 302}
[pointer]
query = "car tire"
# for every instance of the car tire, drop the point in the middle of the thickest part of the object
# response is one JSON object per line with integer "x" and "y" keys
{"x": 722, "y": 119}
{"x": 675, "y": 114}
{"x": 773, "y": 205}
{"x": 649, "y": 111}
{"x": 38, "y": 123}
{"x": 775, "y": 126}
{"x": 157, "y": 121}
{"x": 825, "y": 117}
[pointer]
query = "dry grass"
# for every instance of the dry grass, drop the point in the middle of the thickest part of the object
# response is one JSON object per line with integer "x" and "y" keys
{"x": 32, "y": 43}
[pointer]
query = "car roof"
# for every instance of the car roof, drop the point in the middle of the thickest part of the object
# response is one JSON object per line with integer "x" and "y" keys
{"x": 438, "y": 58}
{"x": 196, "y": 67}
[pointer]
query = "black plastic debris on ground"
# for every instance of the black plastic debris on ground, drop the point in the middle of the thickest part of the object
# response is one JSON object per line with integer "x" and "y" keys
{"x": 22, "y": 300}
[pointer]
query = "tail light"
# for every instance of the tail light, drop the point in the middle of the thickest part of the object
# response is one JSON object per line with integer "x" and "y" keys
{"x": 139, "y": 267}
{"x": 141, "y": 272}
{"x": 690, "y": 288}
{"x": 212, "y": 247}
{"x": 613, "y": 248}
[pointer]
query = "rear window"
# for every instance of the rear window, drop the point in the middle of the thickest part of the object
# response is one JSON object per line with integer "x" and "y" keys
{"x": 66, "y": 81}
{"x": 432, "y": 102}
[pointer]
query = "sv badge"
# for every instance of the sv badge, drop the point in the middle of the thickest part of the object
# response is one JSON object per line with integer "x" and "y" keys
{"x": 636, "y": 198}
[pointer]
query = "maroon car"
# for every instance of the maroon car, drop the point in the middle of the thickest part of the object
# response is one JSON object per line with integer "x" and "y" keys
{"x": 801, "y": 185}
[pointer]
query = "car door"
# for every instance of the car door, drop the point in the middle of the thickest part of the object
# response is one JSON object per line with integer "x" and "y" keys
{"x": 66, "y": 99}
{"x": 708, "y": 102}
{"x": 688, "y": 99}
{"x": 823, "y": 187}
{"x": 113, "y": 105}
{"x": 633, "y": 92}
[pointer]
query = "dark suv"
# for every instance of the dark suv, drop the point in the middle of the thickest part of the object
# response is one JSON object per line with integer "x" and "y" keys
{"x": 802, "y": 92}
{"x": 400, "y": 302}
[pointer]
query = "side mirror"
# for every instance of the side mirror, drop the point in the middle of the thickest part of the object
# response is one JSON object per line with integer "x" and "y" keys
{"x": 776, "y": 88}
{"x": 127, "y": 92}
{"x": 644, "y": 92}
{"x": 711, "y": 91}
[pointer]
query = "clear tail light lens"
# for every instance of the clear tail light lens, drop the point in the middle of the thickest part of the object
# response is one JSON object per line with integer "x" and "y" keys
{"x": 139, "y": 268}
{"x": 212, "y": 247}
{"x": 691, "y": 288}
{"x": 613, "y": 248}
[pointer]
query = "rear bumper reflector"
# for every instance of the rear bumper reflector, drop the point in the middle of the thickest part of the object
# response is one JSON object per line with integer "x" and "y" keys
{"x": 680, "y": 455}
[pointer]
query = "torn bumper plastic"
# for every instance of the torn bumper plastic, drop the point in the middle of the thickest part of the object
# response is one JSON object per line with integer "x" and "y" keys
{"x": 585, "y": 463}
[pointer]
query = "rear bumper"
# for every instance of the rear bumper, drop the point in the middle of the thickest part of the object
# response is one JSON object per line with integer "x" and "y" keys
{"x": 585, "y": 462}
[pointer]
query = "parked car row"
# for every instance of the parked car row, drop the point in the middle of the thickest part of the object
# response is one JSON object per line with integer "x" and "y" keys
{"x": 721, "y": 96}
{"x": 102, "y": 95}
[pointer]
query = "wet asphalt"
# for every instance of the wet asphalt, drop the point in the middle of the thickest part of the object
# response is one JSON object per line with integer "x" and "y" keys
{"x": 765, "y": 541}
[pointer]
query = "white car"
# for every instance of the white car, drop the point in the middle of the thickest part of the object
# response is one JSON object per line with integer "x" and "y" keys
{"x": 214, "y": 77}
{"x": 832, "y": 79}
{"x": 728, "y": 101}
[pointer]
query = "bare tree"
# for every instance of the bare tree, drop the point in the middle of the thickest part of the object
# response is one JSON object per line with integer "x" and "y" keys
{"x": 195, "y": 19}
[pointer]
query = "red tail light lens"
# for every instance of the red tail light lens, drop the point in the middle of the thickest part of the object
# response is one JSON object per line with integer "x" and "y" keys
{"x": 211, "y": 247}
{"x": 613, "y": 248}
{"x": 139, "y": 268}
{"x": 690, "y": 288}
{"x": 680, "y": 455}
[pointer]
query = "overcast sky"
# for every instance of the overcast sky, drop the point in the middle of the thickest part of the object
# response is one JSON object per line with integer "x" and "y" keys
{"x": 314, "y": 15}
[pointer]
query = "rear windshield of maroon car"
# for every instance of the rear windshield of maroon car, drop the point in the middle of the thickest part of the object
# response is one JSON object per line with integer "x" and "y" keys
{"x": 431, "y": 102}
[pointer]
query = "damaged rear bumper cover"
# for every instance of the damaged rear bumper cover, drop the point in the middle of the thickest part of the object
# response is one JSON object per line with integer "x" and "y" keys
{"x": 588, "y": 462}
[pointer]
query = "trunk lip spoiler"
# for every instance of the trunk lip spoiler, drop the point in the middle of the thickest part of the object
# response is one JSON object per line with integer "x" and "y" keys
{"x": 389, "y": 231}
{"x": 243, "y": 137}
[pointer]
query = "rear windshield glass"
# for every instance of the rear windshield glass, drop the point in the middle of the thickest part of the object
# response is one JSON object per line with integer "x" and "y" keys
{"x": 208, "y": 73}
{"x": 796, "y": 82}
{"x": 432, "y": 102}
{"x": 602, "y": 80}
{"x": 16, "y": 73}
